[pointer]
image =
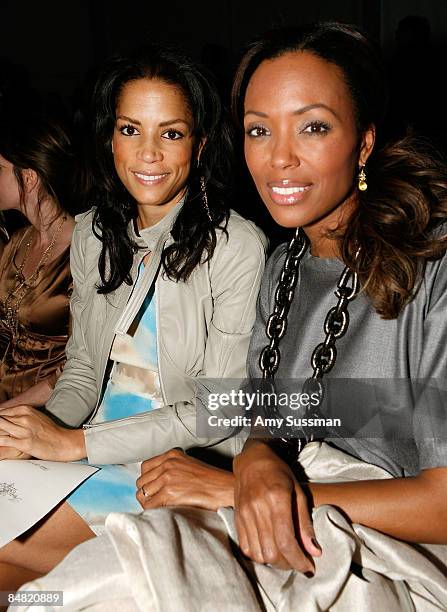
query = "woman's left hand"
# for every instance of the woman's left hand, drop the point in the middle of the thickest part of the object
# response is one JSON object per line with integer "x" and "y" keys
{"x": 175, "y": 479}
{"x": 272, "y": 514}
{"x": 8, "y": 452}
{"x": 31, "y": 432}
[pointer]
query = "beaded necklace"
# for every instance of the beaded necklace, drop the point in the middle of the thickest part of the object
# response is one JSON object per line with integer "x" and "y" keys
{"x": 22, "y": 286}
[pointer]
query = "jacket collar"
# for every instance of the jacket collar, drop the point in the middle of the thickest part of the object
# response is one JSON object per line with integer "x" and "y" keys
{"x": 149, "y": 236}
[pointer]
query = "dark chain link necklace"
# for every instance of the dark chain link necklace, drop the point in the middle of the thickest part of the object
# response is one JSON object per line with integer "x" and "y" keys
{"x": 324, "y": 355}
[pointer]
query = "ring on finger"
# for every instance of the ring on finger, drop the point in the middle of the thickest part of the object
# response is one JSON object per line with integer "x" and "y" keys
{"x": 145, "y": 493}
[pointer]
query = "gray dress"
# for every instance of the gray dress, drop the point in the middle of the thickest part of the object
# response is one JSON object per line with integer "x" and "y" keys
{"x": 390, "y": 376}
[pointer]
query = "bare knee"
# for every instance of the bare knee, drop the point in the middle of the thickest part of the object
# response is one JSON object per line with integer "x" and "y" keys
{"x": 47, "y": 543}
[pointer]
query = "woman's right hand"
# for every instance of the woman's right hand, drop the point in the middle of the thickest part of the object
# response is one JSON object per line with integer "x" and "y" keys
{"x": 36, "y": 434}
{"x": 271, "y": 511}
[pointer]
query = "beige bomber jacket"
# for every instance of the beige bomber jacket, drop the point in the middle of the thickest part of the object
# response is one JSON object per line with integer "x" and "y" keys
{"x": 203, "y": 330}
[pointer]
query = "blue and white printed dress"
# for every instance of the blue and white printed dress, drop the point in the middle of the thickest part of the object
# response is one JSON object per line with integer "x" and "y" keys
{"x": 133, "y": 388}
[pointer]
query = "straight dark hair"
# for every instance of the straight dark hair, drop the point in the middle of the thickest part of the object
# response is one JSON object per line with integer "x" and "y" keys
{"x": 406, "y": 198}
{"x": 193, "y": 232}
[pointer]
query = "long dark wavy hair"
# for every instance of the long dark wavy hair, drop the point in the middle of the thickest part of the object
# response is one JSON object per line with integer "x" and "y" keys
{"x": 194, "y": 234}
{"x": 406, "y": 198}
{"x": 41, "y": 143}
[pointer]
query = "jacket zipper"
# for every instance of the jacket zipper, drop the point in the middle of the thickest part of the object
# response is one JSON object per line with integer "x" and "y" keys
{"x": 131, "y": 309}
{"x": 107, "y": 424}
{"x": 124, "y": 319}
{"x": 157, "y": 340}
{"x": 101, "y": 394}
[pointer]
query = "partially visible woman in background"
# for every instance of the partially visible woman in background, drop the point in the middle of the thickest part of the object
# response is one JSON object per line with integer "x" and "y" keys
{"x": 36, "y": 167}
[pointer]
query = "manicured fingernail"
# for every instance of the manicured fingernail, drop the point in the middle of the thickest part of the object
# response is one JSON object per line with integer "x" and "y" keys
{"x": 315, "y": 543}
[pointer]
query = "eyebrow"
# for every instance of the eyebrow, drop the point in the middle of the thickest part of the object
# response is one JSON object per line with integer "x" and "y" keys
{"x": 300, "y": 111}
{"x": 162, "y": 124}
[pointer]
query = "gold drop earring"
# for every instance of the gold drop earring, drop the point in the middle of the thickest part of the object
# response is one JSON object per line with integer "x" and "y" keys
{"x": 363, "y": 185}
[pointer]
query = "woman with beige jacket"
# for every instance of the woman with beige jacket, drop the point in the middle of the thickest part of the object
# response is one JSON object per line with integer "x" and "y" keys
{"x": 165, "y": 285}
